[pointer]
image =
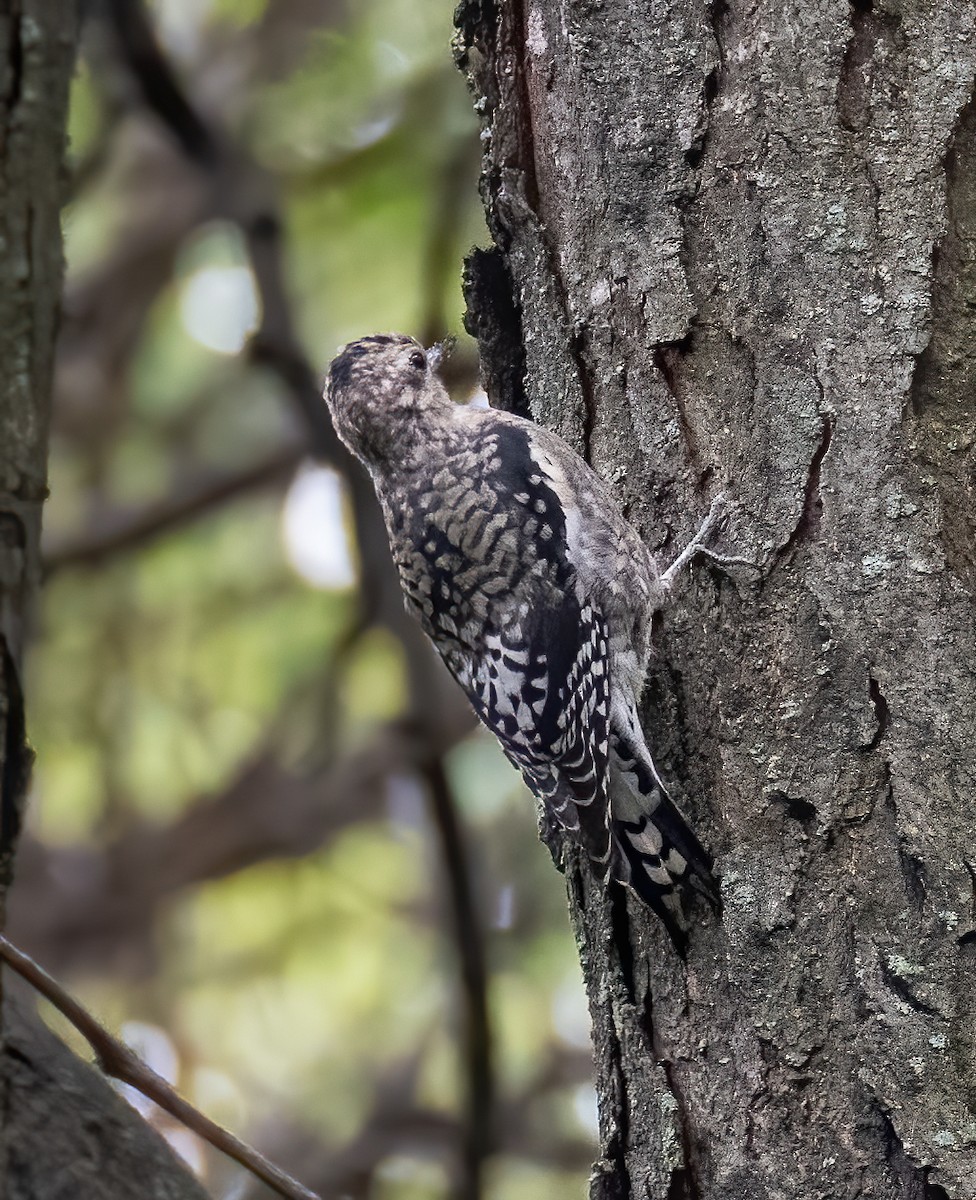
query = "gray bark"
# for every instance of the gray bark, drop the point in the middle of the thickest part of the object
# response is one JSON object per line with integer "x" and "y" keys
{"x": 736, "y": 249}
{"x": 63, "y": 1131}
{"x": 36, "y": 56}
{"x": 71, "y": 1136}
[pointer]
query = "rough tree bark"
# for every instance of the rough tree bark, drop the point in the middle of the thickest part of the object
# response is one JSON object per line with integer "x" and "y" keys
{"x": 736, "y": 249}
{"x": 63, "y": 1131}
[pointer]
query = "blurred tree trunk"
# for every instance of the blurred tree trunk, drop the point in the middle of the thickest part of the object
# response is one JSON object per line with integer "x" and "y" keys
{"x": 36, "y": 58}
{"x": 63, "y": 1131}
{"x": 736, "y": 249}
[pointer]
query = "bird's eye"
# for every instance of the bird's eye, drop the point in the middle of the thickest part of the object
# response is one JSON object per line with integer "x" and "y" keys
{"x": 418, "y": 360}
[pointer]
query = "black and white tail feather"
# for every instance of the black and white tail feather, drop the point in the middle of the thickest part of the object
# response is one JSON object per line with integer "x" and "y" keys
{"x": 539, "y": 597}
{"x": 659, "y": 854}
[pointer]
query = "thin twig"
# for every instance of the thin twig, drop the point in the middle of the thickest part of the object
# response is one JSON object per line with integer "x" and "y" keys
{"x": 116, "y": 1059}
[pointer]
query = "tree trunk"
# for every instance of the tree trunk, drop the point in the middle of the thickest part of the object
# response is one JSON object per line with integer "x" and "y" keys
{"x": 68, "y": 1136}
{"x": 63, "y": 1131}
{"x": 36, "y": 58}
{"x": 736, "y": 250}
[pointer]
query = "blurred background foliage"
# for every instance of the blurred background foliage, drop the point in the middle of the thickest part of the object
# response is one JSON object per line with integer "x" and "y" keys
{"x": 239, "y": 848}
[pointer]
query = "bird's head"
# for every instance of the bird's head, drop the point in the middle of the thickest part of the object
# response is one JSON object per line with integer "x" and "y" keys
{"x": 380, "y": 390}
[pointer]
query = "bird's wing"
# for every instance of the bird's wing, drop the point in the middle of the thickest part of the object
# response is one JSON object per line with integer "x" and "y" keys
{"x": 502, "y": 601}
{"x": 544, "y": 692}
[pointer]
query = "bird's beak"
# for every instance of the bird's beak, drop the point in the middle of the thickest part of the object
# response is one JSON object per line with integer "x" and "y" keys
{"x": 440, "y": 351}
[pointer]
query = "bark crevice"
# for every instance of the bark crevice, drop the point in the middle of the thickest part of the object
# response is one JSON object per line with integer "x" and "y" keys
{"x": 668, "y": 358}
{"x": 811, "y": 509}
{"x": 882, "y": 713}
{"x": 16, "y": 763}
{"x": 711, "y": 85}
{"x": 943, "y": 386}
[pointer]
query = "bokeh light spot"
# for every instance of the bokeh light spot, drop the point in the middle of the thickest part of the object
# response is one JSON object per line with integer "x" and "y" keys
{"x": 219, "y": 308}
{"x": 316, "y": 539}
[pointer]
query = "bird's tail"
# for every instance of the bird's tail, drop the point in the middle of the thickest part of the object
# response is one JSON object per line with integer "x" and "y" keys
{"x": 656, "y": 853}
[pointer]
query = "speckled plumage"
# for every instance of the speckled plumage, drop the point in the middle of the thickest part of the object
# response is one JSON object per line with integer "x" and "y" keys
{"x": 538, "y": 595}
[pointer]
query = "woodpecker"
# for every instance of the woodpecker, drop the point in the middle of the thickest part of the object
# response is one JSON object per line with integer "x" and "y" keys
{"x": 538, "y": 595}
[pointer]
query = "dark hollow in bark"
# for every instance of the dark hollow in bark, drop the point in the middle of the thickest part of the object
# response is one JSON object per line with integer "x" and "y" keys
{"x": 738, "y": 242}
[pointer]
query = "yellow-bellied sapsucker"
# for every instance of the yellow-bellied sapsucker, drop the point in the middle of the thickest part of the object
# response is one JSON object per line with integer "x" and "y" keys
{"x": 539, "y": 597}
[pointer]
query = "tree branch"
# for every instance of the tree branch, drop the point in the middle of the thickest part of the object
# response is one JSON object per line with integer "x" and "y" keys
{"x": 153, "y": 75}
{"x": 119, "y": 531}
{"x": 117, "y": 1060}
{"x": 478, "y": 1130}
